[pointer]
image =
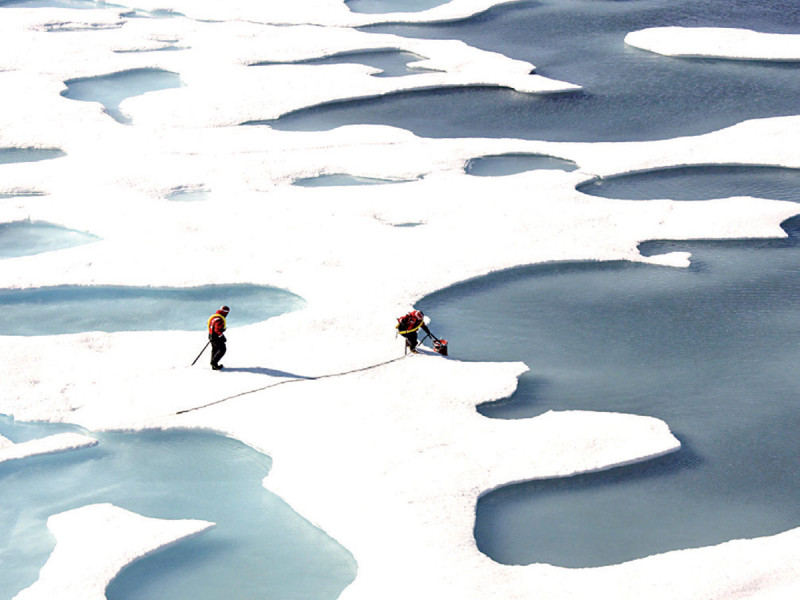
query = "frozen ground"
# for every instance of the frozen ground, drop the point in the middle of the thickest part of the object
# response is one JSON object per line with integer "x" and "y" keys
{"x": 395, "y": 443}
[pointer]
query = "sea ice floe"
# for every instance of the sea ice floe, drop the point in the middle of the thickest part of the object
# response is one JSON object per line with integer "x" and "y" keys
{"x": 715, "y": 42}
{"x": 410, "y": 469}
{"x": 94, "y": 543}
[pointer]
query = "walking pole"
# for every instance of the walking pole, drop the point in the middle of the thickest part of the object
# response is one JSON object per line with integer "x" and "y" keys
{"x": 201, "y": 353}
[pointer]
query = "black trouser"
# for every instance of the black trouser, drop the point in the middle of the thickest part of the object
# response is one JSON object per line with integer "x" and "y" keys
{"x": 411, "y": 339}
{"x": 218, "y": 348}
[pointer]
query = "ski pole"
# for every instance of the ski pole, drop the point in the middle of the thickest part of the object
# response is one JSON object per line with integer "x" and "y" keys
{"x": 201, "y": 353}
{"x": 429, "y": 335}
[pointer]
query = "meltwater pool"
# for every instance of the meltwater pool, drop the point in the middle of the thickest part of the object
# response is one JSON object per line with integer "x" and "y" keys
{"x": 260, "y": 548}
{"x": 712, "y": 350}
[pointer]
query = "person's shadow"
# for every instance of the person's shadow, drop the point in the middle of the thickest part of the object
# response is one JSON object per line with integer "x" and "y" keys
{"x": 265, "y": 371}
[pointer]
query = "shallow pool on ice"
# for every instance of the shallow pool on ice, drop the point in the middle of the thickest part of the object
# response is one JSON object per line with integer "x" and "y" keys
{"x": 73, "y": 309}
{"x": 22, "y": 238}
{"x": 259, "y": 548}
{"x": 111, "y": 89}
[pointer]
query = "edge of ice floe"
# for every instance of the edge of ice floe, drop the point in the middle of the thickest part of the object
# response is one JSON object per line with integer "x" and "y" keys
{"x": 333, "y": 13}
{"x": 715, "y": 42}
{"x": 94, "y": 543}
{"x": 648, "y": 438}
{"x": 53, "y": 444}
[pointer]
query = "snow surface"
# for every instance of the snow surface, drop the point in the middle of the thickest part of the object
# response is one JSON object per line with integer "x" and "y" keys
{"x": 715, "y": 42}
{"x": 394, "y": 441}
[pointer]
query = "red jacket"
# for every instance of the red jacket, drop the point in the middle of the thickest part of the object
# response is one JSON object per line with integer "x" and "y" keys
{"x": 216, "y": 323}
{"x": 410, "y": 323}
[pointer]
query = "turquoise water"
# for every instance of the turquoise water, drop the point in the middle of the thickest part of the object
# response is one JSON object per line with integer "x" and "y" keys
{"x": 73, "y": 309}
{"x": 23, "y": 155}
{"x": 110, "y": 90}
{"x": 712, "y": 350}
{"x": 259, "y": 547}
{"x": 23, "y": 238}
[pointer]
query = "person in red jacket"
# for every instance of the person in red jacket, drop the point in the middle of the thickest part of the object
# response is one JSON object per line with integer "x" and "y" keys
{"x": 408, "y": 325}
{"x": 217, "y": 325}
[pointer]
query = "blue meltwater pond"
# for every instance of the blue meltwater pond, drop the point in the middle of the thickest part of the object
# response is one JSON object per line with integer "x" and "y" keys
{"x": 74, "y": 309}
{"x": 712, "y": 350}
{"x": 24, "y": 238}
{"x": 260, "y": 548}
{"x": 111, "y": 89}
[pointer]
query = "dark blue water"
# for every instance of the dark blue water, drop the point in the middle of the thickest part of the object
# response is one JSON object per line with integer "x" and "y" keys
{"x": 712, "y": 350}
{"x": 110, "y": 90}
{"x": 74, "y": 309}
{"x": 628, "y": 94}
{"x": 259, "y": 548}
{"x": 702, "y": 182}
{"x": 23, "y": 238}
{"x": 509, "y": 164}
